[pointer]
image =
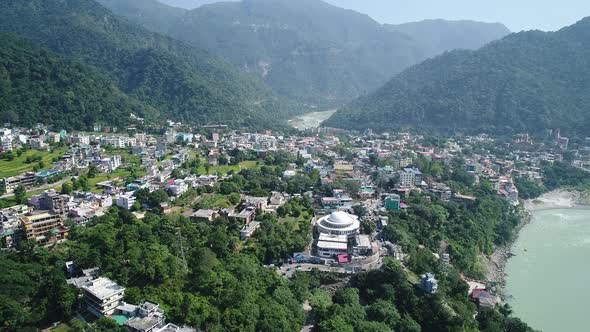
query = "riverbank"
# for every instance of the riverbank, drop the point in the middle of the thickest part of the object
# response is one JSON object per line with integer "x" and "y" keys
{"x": 496, "y": 263}
{"x": 310, "y": 120}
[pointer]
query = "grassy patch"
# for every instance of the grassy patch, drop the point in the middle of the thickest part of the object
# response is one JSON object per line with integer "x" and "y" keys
{"x": 214, "y": 201}
{"x": 18, "y": 165}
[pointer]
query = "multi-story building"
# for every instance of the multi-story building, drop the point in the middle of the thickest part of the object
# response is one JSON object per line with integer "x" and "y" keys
{"x": 126, "y": 201}
{"x": 410, "y": 177}
{"x": 39, "y": 224}
{"x": 26, "y": 180}
{"x": 54, "y": 202}
{"x": 102, "y": 296}
{"x": 149, "y": 317}
{"x": 6, "y": 143}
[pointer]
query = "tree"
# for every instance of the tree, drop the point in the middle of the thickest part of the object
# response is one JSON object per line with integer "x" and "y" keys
{"x": 407, "y": 324}
{"x": 9, "y": 156}
{"x": 66, "y": 188}
{"x": 92, "y": 171}
{"x": 176, "y": 173}
{"x": 385, "y": 312}
{"x": 20, "y": 194}
{"x": 360, "y": 210}
{"x": 336, "y": 324}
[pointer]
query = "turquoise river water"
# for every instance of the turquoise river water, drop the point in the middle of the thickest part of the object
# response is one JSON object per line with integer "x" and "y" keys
{"x": 547, "y": 277}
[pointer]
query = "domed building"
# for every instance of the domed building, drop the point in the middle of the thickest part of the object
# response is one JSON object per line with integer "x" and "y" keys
{"x": 336, "y": 234}
{"x": 339, "y": 223}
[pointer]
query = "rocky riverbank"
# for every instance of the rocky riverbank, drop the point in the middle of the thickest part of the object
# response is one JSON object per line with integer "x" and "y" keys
{"x": 496, "y": 263}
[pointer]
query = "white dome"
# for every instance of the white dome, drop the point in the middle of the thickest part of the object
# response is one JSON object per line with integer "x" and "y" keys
{"x": 340, "y": 223}
{"x": 340, "y": 218}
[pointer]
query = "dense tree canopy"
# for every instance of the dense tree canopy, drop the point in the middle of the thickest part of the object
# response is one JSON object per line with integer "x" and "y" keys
{"x": 529, "y": 81}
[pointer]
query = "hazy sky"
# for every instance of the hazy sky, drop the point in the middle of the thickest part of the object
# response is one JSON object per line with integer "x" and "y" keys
{"x": 515, "y": 14}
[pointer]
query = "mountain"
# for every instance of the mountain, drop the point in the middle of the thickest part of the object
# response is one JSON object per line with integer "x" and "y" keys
{"x": 190, "y": 4}
{"x": 181, "y": 82}
{"x": 529, "y": 81}
{"x": 306, "y": 50}
{"x": 437, "y": 35}
{"x": 39, "y": 86}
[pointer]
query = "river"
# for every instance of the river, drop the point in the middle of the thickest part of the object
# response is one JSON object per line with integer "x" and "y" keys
{"x": 310, "y": 120}
{"x": 547, "y": 278}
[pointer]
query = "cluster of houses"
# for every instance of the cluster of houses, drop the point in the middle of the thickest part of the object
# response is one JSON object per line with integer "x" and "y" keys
{"x": 102, "y": 297}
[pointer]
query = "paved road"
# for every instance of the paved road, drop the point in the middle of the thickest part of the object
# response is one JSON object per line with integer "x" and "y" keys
{"x": 289, "y": 269}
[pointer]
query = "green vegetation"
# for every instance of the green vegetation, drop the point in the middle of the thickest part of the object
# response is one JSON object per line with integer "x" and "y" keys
{"x": 306, "y": 50}
{"x": 529, "y": 81}
{"x": 18, "y": 163}
{"x": 180, "y": 82}
{"x": 555, "y": 176}
{"x": 386, "y": 300}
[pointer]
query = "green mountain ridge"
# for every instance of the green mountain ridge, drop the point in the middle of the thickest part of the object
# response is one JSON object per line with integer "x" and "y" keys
{"x": 528, "y": 81}
{"x": 181, "y": 82}
{"x": 306, "y": 50}
{"x": 37, "y": 85}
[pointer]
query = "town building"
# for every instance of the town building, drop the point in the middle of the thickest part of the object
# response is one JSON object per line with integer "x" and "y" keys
{"x": 336, "y": 234}
{"x": 410, "y": 177}
{"x": 42, "y": 225}
{"x": 428, "y": 283}
{"x": 204, "y": 215}
{"x": 392, "y": 202}
{"x": 126, "y": 201}
{"x": 148, "y": 317}
{"x": 249, "y": 230}
{"x": 26, "y": 180}
{"x": 102, "y": 296}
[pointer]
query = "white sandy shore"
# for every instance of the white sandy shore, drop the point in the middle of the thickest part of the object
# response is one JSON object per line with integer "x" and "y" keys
{"x": 558, "y": 199}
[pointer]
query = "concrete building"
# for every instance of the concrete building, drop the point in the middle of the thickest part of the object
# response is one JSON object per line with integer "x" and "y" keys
{"x": 428, "y": 283}
{"x": 40, "y": 224}
{"x": 410, "y": 177}
{"x": 102, "y": 296}
{"x": 336, "y": 234}
{"x": 338, "y": 223}
{"x": 26, "y": 180}
{"x": 6, "y": 143}
{"x": 148, "y": 317}
{"x": 204, "y": 215}
{"x": 249, "y": 230}
{"x": 126, "y": 201}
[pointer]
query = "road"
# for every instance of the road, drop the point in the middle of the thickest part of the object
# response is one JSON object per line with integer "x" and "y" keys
{"x": 289, "y": 269}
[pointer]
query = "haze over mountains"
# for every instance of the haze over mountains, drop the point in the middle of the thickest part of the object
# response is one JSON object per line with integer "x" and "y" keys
{"x": 307, "y": 50}
{"x": 528, "y": 81}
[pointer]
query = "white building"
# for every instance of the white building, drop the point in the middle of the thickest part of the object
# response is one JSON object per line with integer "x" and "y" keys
{"x": 337, "y": 232}
{"x": 102, "y": 296}
{"x": 6, "y": 142}
{"x": 126, "y": 201}
{"x": 338, "y": 223}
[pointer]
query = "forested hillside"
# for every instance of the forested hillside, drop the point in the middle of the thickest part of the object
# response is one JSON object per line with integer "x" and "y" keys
{"x": 37, "y": 85}
{"x": 306, "y": 50}
{"x": 436, "y": 36}
{"x": 530, "y": 81}
{"x": 181, "y": 82}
